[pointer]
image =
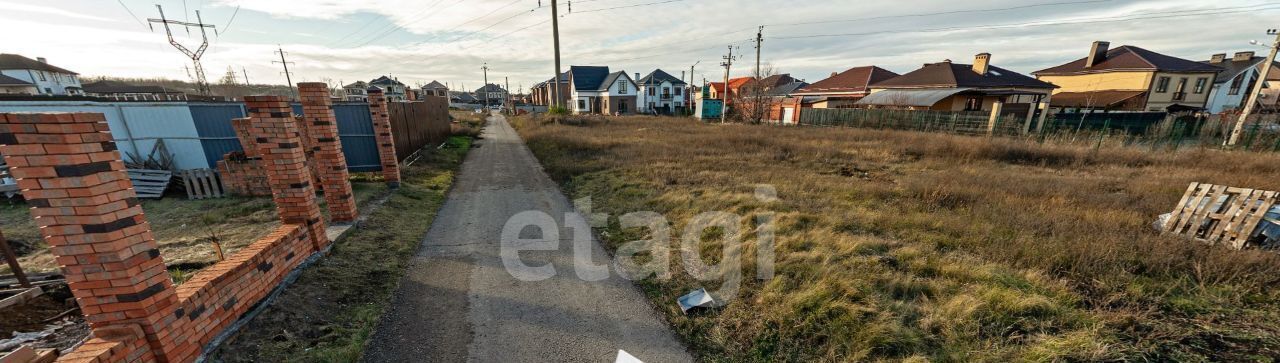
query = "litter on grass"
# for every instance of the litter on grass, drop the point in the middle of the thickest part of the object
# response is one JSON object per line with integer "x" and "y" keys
{"x": 697, "y": 298}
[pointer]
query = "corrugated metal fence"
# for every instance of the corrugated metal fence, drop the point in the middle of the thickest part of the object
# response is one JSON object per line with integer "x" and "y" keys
{"x": 199, "y": 134}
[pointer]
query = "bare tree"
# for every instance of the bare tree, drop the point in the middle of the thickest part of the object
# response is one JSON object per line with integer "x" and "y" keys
{"x": 755, "y": 101}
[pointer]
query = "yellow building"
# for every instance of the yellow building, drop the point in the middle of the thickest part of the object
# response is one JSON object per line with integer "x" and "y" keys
{"x": 1129, "y": 78}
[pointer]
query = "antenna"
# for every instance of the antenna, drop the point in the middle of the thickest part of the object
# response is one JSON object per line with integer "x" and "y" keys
{"x": 201, "y": 83}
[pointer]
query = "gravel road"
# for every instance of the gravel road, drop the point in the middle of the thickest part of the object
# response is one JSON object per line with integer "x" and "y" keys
{"x": 458, "y": 303}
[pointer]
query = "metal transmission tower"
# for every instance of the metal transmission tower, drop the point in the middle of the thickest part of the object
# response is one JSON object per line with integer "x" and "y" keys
{"x": 202, "y": 84}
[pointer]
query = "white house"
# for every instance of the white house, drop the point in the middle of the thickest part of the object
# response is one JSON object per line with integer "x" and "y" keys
{"x": 357, "y": 92}
{"x": 662, "y": 93}
{"x": 1238, "y": 76}
{"x": 392, "y": 89}
{"x": 44, "y": 77}
{"x": 595, "y": 90}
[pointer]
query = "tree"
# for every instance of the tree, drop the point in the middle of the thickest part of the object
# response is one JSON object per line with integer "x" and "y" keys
{"x": 754, "y": 102}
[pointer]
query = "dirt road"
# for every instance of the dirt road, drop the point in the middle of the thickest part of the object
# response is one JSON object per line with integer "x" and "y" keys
{"x": 458, "y": 303}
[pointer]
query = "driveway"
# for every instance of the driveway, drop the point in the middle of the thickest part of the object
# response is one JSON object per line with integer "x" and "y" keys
{"x": 457, "y": 302}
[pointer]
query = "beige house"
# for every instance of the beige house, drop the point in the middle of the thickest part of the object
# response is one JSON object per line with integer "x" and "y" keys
{"x": 1129, "y": 78}
{"x": 947, "y": 86}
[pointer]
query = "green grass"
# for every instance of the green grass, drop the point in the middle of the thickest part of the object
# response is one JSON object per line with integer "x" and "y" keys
{"x": 329, "y": 313}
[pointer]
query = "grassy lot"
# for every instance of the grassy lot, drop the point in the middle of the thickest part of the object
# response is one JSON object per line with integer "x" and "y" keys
{"x": 913, "y": 246}
{"x": 329, "y": 313}
{"x": 183, "y": 228}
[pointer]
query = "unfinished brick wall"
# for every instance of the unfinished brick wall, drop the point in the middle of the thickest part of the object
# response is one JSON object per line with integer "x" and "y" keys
{"x": 382, "y": 134}
{"x": 80, "y": 195}
{"x": 242, "y": 173}
{"x": 84, "y": 203}
{"x": 329, "y": 161}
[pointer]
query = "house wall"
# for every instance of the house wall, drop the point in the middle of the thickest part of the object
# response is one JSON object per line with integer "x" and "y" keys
{"x": 618, "y": 104}
{"x": 1127, "y": 81}
{"x": 18, "y": 89}
{"x": 674, "y": 102}
{"x": 1220, "y": 99}
{"x": 53, "y": 83}
{"x": 1158, "y": 101}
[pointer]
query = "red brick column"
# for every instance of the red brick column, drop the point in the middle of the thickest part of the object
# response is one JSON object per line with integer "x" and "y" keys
{"x": 382, "y": 133}
{"x": 322, "y": 128}
{"x": 82, "y": 199}
{"x": 280, "y": 143}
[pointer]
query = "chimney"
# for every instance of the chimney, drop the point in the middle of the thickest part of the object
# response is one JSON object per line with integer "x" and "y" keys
{"x": 981, "y": 63}
{"x": 42, "y": 60}
{"x": 1218, "y": 58}
{"x": 833, "y": 74}
{"x": 1097, "y": 54}
{"x": 1243, "y": 56}
{"x": 637, "y": 79}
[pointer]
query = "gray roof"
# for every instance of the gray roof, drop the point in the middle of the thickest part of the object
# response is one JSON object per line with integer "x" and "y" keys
{"x": 358, "y": 84}
{"x": 14, "y": 61}
{"x": 108, "y": 86}
{"x": 954, "y": 75}
{"x": 434, "y": 85}
{"x": 384, "y": 80}
{"x": 611, "y": 79}
{"x": 10, "y": 81}
{"x": 588, "y": 78}
{"x": 1233, "y": 68}
{"x": 491, "y": 88}
{"x": 659, "y": 76}
{"x": 786, "y": 89}
{"x": 909, "y": 97}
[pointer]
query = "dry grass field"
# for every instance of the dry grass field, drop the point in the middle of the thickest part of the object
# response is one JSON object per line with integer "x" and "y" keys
{"x": 912, "y": 246}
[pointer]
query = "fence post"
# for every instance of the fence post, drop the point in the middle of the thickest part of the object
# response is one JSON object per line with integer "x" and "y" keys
{"x": 995, "y": 117}
{"x": 280, "y": 143}
{"x": 75, "y": 182}
{"x": 382, "y": 134}
{"x": 322, "y": 127}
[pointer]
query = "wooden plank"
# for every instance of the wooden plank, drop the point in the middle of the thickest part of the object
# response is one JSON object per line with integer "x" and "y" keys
{"x": 1251, "y": 224}
{"x": 186, "y": 181}
{"x": 1189, "y": 210}
{"x": 1180, "y": 209}
{"x": 1241, "y": 199}
{"x": 205, "y": 187}
{"x": 21, "y": 297}
{"x": 217, "y": 184}
{"x": 1203, "y": 210}
{"x": 24, "y": 354}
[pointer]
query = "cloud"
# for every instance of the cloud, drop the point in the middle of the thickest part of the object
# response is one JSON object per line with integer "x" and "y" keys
{"x": 28, "y": 8}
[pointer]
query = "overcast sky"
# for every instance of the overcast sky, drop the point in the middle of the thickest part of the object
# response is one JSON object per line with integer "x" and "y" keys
{"x": 449, "y": 40}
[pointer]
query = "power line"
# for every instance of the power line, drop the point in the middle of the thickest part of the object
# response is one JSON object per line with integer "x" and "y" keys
{"x": 419, "y": 16}
{"x": 233, "y": 18}
{"x": 952, "y": 12}
{"x": 1161, "y": 15}
{"x": 625, "y": 6}
{"x": 135, "y": 17}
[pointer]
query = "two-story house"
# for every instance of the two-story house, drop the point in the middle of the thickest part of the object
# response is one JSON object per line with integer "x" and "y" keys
{"x": 45, "y": 78}
{"x": 435, "y": 89}
{"x": 356, "y": 92}
{"x": 495, "y": 94}
{"x": 1239, "y": 75}
{"x": 661, "y": 93}
{"x": 1129, "y": 78}
{"x": 391, "y": 88}
{"x": 596, "y": 90}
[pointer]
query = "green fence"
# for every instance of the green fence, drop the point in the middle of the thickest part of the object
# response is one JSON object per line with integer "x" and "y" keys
{"x": 965, "y": 123}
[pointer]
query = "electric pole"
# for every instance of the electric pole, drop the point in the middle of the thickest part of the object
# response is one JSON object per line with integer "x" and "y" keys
{"x": 687, "y": 95}
{"x": 202, "y": 84}
{"x": 485, "y": 89}
{"x": 506, "y": 81}
{"x": 757, "y": 108}
{"x": 728, "y": 63}
{"x": 246, "y": 75}
{"x": 555, "y": 35}
{"x": 287, "y": 76}
{"x": 1257, "y": 89}
{"x": 759, "y": 39}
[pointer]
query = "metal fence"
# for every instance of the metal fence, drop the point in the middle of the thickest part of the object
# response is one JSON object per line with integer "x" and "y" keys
{"x": 200, "y": 134}
{"x": 966, "y": 123}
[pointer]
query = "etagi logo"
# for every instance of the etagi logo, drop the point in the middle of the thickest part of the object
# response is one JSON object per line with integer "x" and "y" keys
{"x": 650, "y": 257}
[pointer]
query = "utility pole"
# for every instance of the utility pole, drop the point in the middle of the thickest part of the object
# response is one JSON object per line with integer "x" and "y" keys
{"x": 287, "y": 76}
{"x": 759, "y": 39}
{"x": 246, "y": 75}
{"x": 727, "y": 64}
{"x": 201, "y": 83}
{"x": 757, "y": 108}
{"x": 506, "y": 81}
{"x": 1257, "y": 89}
{"x": 555, "y": 35}
{"x": 687, "y": 94}
{"x": 485, "y": 88}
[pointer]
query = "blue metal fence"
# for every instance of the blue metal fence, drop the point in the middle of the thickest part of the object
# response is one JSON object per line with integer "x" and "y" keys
{"x": 213, "y": 124}
{"x": 355, "y": 128}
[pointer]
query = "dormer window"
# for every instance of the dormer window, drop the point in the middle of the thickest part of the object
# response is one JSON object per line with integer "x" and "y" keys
{"x": 622, "y": 87}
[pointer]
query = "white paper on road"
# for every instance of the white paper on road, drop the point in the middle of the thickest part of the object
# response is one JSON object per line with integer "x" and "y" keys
{"x": 624, "y": 357}
{"x": 697, "y": 298}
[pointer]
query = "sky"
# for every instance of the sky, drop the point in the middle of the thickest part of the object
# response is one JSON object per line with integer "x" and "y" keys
{"x": 417, "y": 41}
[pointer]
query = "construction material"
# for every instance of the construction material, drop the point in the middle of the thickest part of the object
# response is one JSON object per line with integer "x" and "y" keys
{"x": 8, "y": 185}
{"x": 697, "y": 298}
{"x": 202, "y": 184}
{"x": 1217, "y": 214}
{"x": 21, "y": 297}
{"x": 12, "y": 259}
{"x": 150, "y": 183}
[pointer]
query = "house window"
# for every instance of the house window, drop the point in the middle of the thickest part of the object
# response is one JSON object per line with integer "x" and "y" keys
{"x": 678, "y": 91}
{"x": 622, "y": 87}
{"x": 652, "y": 91}
{"x": 1180, "y": 92}
{"x": 42, "y": 76}
{"x": 1235, "y": 85}
{"x": 1163, "y": 85}
{"x": 1200, "y": 83}
{"x": 582, "y": 104}
{"x": 973, "y": 104}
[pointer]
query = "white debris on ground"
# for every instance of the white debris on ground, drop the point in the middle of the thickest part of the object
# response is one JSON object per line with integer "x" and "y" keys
{"x": 624, "y": 357}
{"x": 1267, "y": 233}
{"x": 697, "y": 298}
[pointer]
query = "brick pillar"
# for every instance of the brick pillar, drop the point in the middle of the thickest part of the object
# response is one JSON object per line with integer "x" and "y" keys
{"x": 322, "y": 128}
{"x": 382, "y": 133}
{"x": 81, "y": 197}
{"x": 280, "y": 144}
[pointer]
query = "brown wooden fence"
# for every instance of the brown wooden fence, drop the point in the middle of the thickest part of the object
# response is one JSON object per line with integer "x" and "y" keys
{"x": 418, "y": 124}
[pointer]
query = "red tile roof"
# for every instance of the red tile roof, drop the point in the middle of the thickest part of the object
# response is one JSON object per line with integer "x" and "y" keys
{"x": 1129, "y": 58}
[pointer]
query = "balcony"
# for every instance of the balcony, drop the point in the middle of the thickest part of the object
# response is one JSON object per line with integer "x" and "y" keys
{"x": 1179, "y": 96}
{"x": 666, "y": 97}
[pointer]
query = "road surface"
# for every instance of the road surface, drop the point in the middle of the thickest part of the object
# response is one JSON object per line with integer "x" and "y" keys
{"x": 457, "y": 303}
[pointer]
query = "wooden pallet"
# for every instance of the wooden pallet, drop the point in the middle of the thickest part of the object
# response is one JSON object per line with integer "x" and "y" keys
{"x": 7, "y": 188}
{"x": 1219, "y": 214}
{"x": 150, "y": 183}
{"x": 202, "y": 184}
